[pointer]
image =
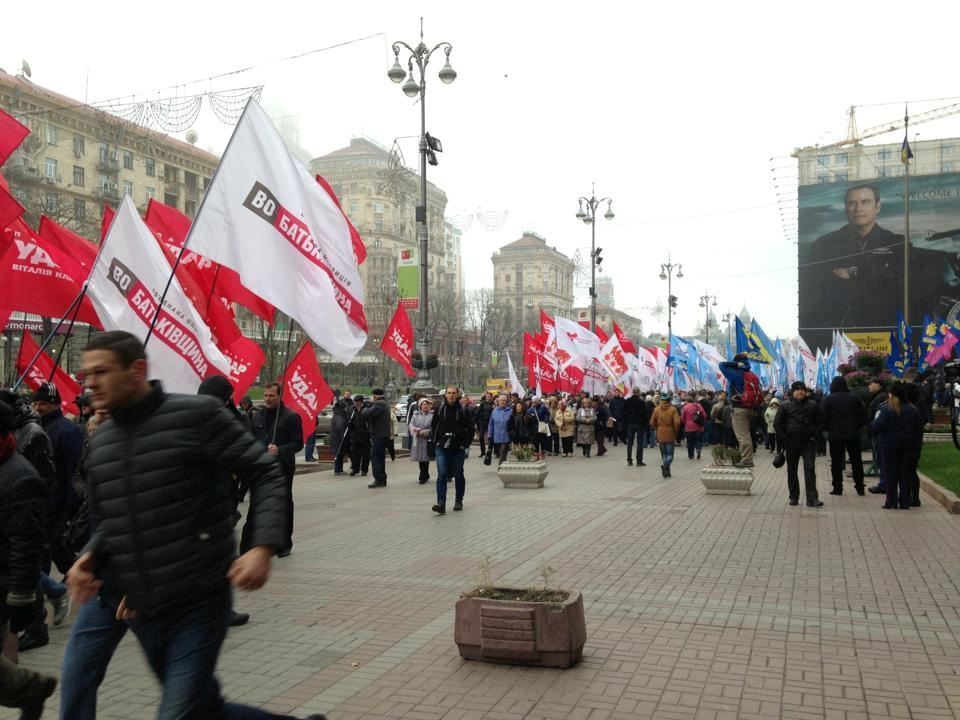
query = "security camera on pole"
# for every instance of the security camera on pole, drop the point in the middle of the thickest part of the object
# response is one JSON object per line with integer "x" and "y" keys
{"x": 429, "y": 147}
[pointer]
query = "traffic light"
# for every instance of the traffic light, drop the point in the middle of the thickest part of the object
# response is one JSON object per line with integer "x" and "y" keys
{"x": 673, "y": 301}
{"x": 434, "y": 146}
{"x": 596, "y": 256}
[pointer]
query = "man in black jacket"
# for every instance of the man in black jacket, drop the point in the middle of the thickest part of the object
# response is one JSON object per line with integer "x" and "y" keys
{"x": 843, "y": 416}
{"x": 162, "y": 551}
{"x": 22, "y": 504}
{"x": 878, "y": 396}
{"x": 358, "y": 432}
{"x": 615, "y": 407}
{"x": 281, "y": 432}
{"x": 636, "y": 419}
{"x": 452, "y": 433}
{"x": 377, "y": 416}
{"x": 797, "y": 423}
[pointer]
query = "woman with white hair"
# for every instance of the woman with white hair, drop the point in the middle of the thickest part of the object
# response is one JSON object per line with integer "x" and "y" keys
{"x": 420, "y": 423}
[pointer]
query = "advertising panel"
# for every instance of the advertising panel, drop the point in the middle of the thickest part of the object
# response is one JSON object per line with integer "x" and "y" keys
{"x": 408, "y": 279}
{"x": 851, "y": 253}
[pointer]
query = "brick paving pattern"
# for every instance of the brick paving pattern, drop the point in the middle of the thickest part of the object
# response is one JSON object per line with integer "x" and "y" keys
{"x": 706, "y": 607}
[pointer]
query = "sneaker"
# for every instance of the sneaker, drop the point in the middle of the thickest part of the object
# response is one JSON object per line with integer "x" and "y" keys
{"x": 61, "y": 608}
{"x": 877, "y": 489}
{"x": 458, "y": 506}
{"x": 439, "y": 509}
{"x": 35, "y": 636}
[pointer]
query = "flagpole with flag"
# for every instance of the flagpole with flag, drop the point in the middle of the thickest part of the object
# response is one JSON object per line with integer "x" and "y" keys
{"x": 905, "y": 155}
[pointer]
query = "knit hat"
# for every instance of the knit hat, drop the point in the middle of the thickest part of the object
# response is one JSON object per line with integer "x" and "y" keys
{"x": 798, "y": 385}
{"x": 6, "y": 419}
{"x": 217, "y": 386}
{"x": 47, "y": 392}
{"x": 377, "y": 392}
{"x": 664, "y": 396}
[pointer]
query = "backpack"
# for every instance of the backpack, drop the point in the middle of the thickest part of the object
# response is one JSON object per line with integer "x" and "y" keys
{"x": 751, "y": 397}
{"x": 698, "y": 418}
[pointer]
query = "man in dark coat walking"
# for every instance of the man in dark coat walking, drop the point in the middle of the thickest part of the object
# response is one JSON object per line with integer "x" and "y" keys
{"x": 636, "y": 420}
{"x": 797, "y": 423}
{"x": 377, "y": 416}
{"x": 842, "y": 417}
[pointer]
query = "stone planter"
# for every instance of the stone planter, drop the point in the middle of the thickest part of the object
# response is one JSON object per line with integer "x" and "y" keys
{"x": 726, "y": 480}
{"x": 521, "y": 633}
{"x": 515, "y": 474}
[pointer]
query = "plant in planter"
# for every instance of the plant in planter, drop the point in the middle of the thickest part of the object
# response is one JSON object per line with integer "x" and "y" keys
{"x": 524, "y": 472}
{"x": 520, "y": 626}
{"x": 724, "y": 477}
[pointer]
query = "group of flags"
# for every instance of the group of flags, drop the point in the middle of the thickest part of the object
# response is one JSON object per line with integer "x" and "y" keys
{"x": 269, "y": 235}
{"x": 937, "y": 344}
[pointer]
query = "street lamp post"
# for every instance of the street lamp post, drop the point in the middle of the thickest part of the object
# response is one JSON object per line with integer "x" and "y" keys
{"x": 728, "y": 319}
{"x": 588, "y": 216}
{"x": 705, "y": 303}
{"x": 429, "y": 146}
{"x": 666, "y": 273}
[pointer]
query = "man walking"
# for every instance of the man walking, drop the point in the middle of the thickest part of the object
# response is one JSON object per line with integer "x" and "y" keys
{"x": 280, "y": 430}
{"x": 636, "y": 420}
{"x": 878, "y": 397}
{"x": 746, "y": 397}
{"x": 798, "y": 423}
{"x": 162, "y": 552}
{"x": 615, "y": 408}
{"x": 843, "y": 416}
{"x": 377, "y": 417}
{"x": 452, "y": 432}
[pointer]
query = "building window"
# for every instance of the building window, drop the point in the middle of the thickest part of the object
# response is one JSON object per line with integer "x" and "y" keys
{"x": 51, "y": 134}
{"x": 78, "y": 176}
{"x": 50, "y": 204}
{"x": 507, "y": 279}
{"x": 353, "y": 206}
{"x": 884, "y": 154}
{"x": 151, "y": 193}
{"x": 50, "y": 169}
{"x": 189, "y": 208}
{"x": 171, "y": 200}
{"x": 842, "y": 177}
{"x": 150, "y": 165}
{"x": 947, "y": 149}
{"x": 128, "y": 188}
{"x": 823, "y": 159}
{"x": 378, "y": 225}
{"x": 127, "y": 160}
{"x": 104, "y": 153}
{"x": 823, "y": 178}
{"x": 79, "y": 146}
{"x": 841, "y": 158}
{"x": 79, "y": 209}
{"x": 378, "y": 207}
{"x": 949, "y": 167}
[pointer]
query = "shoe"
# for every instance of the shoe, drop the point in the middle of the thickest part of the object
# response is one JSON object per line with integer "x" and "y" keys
{"x": 363, "y": 474}
{"x": 629, "y": 462}
{"x": 339, "y": 472}
{"x": 663, "y": 470}
{"x": 794, "y": 501}
{"x": 439, "y": 509}
{"x": 814, "y": 503}
{"x": 238, "y": 619}
{"x": 285, "y": 552}
{"x": 698, "y": 454}
{"x": 915, "y": 503}
{"x": 886, "y": 506}
{"x": 904, "y": 507}
{"x": 458, "y": 506}
{"x": 877, "y": 489}
{"x": 836, "y": 492}
{"x": 423, "y": 481}
{"x": 310, "y": 459}
{"x": 860, "y": 491}
{"x": 449, "y": 479}
{"x": 61, "y": 608}
{"x": 641, "y": 464}
{"x": 668, "y": 472}
{"x": 376, "y": 485}
{"x": 317, "y": 716}
{"x": 353, "y": 473}
{"x": 35, "y": 636}
{"x": 41, "y": 687}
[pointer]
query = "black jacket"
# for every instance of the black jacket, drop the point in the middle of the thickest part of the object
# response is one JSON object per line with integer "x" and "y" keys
{"x": 66, "y": 439}
{"x": 903, "y": 430}
{"x": 33, "y": 443}
{"x": 454, "y": 420}
{"x": 797, "y": 422}
{"x": 22, "y": 538}
{"x": 635, "y": 411}
{"x": 359, "y": 428}
{"x": 378, "y": 419}
{"x": 842, "y": 415}
{"x": 289, "y": 439}
{"x": 484, "y": 409}
{"x": 616, "y": 407}
{"x": 873, "y": 407}
{"x": 160, "y": 503}
{"x": 522, "y": 428}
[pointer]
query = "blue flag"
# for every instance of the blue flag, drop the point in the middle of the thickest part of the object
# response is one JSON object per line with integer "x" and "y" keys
{"x": 895, "y": 359}
{"x": 762, "y": 341}
{"x": 679, "y": 357}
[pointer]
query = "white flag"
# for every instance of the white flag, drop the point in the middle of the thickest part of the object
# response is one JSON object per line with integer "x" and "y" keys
{"x": 125, "y": 288}
{"x": 575, "y": 341}
{"x": 614, "y": 360}
{"x": 265, "y": 216}
{"x": 514, "y": 381}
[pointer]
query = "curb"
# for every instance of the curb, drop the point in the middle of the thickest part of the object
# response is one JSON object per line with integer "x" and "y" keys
{"x": 943, "y": 496}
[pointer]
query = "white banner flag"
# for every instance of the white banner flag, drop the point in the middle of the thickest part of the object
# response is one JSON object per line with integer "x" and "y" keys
{"x": 648, "y": 375}
{"x": 265, "y": 216}
{"x": 614, "y": 360}
{"x": 515, "y": 385}
{"x": 573, "y": 341}
{"x": 125, "y": 288}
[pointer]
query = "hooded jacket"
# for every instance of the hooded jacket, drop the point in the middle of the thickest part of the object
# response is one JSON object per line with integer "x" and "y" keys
{"x": 842, "y": 415}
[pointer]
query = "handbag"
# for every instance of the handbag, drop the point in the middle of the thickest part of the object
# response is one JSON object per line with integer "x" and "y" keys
{"x": 543, "y": 428}
{"x": 610, "y": 422}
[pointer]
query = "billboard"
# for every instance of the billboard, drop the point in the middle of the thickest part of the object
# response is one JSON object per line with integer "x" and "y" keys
{"x": 851, "y": 253}
{"x": 408, "y": 279}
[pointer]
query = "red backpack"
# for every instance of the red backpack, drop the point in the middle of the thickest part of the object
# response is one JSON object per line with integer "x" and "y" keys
{"x": 752, "y": 396}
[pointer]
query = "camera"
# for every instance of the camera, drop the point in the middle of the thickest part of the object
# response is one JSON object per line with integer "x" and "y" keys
{"x": 447, "y": 441}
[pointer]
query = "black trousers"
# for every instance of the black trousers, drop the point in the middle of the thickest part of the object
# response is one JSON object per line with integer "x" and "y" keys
{"x": 808, "y": 453}
{"x": 567, "y": 442}
{"x": 839, "y": 449}
{"x": 898, "y": 464}
{"x": 424, "y": 471}
{"x": 360, "y": 458}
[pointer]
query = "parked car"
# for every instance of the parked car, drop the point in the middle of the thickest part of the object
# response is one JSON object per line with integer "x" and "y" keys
{"x": 400, "y": 408}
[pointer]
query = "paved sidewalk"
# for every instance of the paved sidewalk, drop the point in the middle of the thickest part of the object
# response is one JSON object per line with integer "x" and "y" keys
{"x": 697, "y": 606}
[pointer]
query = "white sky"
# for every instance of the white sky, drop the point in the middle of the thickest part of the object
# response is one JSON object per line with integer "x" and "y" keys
{"x": 673, "y": 110}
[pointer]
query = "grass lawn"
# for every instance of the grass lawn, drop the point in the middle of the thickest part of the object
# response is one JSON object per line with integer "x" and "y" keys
{"x": 941, "y": 463}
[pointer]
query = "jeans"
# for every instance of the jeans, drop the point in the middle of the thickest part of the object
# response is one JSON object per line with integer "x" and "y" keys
{"x": 651, "y": 437}
{"x": 51, "y": 588}
{"x": 450, "y": 462}
{"x": 93, "y": 638}
{"x": 808, "y": 452}
{"x": 666, "y": 453}
{"x": 638, "y": 433}
{"x": 694, "y": 442}
{"x": 310, "y": 446}
{"x": 378, "y": 460}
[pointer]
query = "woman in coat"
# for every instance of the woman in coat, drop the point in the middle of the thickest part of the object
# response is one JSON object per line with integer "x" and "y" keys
{"x": 420, "y": 424}
{"x": 541, "y": 414}
{"x": 498, "y": 432}
{"x": 553, "y": 404}
{"x": 666, "y": 422}
{"x": 586, "y": 426}
{"x": 566, "y": 423}
{"x": 523, "y": 426}
{"x": 899, "y": 428}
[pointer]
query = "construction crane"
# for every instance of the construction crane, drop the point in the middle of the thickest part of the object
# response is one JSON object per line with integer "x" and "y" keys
{"x": 854, "y": 138}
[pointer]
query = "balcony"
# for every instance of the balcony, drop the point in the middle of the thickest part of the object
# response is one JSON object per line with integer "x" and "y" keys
{"x": 108, "y": 193}
{"x": 108, "y": 165}
{"x": 22, "y": 172}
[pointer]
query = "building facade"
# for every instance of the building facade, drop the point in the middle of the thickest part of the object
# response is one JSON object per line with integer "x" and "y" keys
{"x": 607, "y": 316}
{"x": 871, "y": 162}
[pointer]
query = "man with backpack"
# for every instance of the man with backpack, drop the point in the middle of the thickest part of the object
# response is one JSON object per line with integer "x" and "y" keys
{"x": 745, "y": 397}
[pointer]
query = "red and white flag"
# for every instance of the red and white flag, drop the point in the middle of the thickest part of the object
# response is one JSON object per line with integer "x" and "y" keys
{"x": 126, "y": 284}
{"x": 614, "y": 360}
{"x": 600, "y": 332}
{"x": 647, "y": 373}
{"x": 79, "y": 254}
{"x": 10, "y": 209}
{"x": 575, "y": 341}
{"x": 304, "y": 389}
{"x": 39, "y": 374}
{"x": 625, "y": 342}
{"x": 266, "y": 216}
{"x": 398, "y": 340}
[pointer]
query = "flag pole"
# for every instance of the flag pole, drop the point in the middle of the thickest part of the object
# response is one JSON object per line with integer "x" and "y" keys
{"x": 906, "y": 216}
{"x": 63, "y": 345}
{"x": 186, "y": 240}
{"x": 49, "y": 338}
{"x": 283, "y": 381}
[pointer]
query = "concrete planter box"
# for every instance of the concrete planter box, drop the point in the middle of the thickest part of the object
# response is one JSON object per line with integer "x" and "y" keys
{"x": 515, "y": 474}
{"x": 515, "y": 632}
{"x": 726, "y": 480}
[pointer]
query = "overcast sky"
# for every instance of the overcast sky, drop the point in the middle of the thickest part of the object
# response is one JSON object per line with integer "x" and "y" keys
{"x": 673, "y": 109}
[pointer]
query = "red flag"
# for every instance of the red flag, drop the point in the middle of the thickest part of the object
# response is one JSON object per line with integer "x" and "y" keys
{"x": 79, "y": 252}
{"x": 105, "y": 220}
{"x": 4, "y": 318}
{"x": 359, "y": 249}
{"x": 171, "y": 227}
{"x": 39, "y": 373}
{"x": 10, "y": 209}
{"x": 625, "y": 342}
{"x": 35, "y": 277}
{"x": 398, "y": 340}
{"x": 12, "y": 133}
{"x": 246, "y": 358}
{"x": 304, "y": 389}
